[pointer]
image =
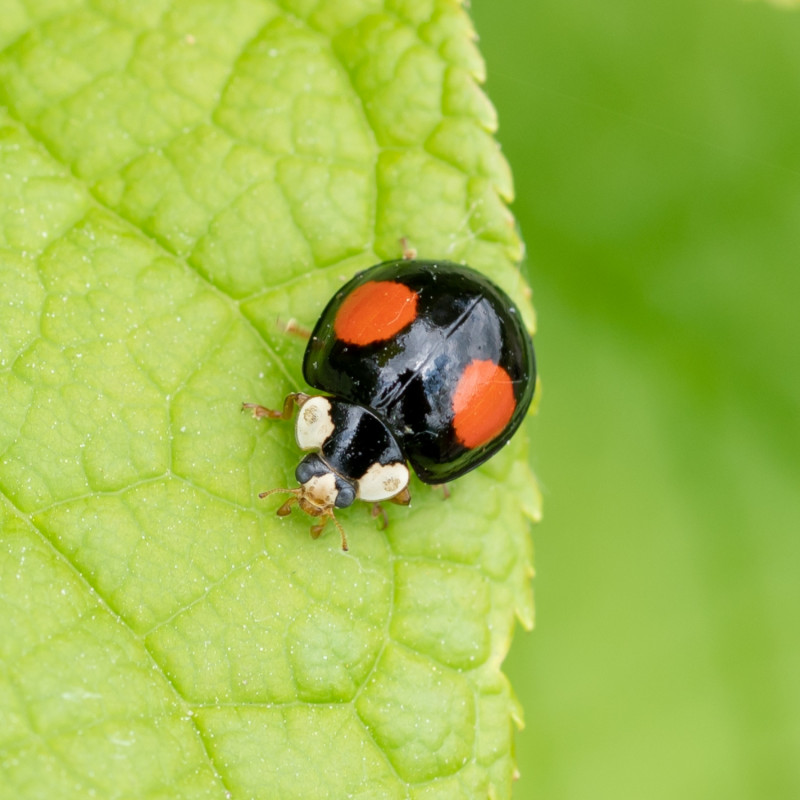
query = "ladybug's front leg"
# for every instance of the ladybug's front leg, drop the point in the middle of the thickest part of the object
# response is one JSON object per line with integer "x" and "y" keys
{"x": 292, "y": 400}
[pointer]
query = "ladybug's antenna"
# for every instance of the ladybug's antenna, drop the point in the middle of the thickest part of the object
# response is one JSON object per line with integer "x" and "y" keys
{"x": 317, "y": 529}
{"x": 341, "y": 531}
{"x": 287, "y": 506}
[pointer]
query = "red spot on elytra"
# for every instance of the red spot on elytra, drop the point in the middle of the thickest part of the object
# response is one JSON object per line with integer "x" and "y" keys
{"x": 483, "y": 403}
{"x": 374, "y": 312}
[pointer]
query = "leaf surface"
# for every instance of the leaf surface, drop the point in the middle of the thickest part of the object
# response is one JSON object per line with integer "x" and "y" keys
{"x": 175, "y": 179}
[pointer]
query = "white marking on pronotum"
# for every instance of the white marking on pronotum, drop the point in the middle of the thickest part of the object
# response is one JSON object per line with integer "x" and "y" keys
{"x": 382, "y": 482}
{"x": 314, "y": 424}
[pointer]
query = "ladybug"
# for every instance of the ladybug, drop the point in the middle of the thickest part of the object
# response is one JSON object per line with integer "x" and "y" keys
{"x": 425, "y": 363}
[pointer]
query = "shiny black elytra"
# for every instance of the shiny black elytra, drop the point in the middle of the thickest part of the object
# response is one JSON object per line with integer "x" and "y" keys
{"x": 409, "y": 379}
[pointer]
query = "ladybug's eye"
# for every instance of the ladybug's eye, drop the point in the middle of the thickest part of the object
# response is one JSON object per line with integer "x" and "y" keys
{"x": 346, "y": 496}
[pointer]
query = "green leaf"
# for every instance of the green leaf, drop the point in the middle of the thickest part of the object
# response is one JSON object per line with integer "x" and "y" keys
{"x": 175, "y": 178}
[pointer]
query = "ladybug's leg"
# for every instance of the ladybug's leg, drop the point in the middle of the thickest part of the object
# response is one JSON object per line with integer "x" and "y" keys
{"x": 286, "y": 508}
{"x": 409, "y": 252}
{"x": 445, "y": 490}
{"x": 296, "y": 329}
{"x": 295, "y": 398}
{"x": 378, "y": 510}
{"x": 293, "y": 327}
{"x": 402, "y": 499}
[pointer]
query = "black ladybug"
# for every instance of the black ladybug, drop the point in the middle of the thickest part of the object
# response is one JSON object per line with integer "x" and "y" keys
{"x": 425, "y": 362}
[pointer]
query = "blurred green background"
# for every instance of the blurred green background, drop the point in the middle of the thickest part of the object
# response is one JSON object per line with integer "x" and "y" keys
{"x": 656, "y": 154}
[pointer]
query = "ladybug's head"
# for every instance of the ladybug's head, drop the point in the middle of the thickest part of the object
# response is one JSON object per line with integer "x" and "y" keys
{"x": 320, "y": 491}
